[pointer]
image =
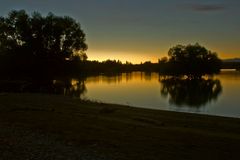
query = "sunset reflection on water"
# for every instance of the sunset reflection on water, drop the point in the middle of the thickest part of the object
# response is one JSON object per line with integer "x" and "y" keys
{"x": 144, "y": 90}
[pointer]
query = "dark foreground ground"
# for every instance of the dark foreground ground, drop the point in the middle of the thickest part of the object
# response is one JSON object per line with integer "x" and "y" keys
{"x": 43, "y": 127}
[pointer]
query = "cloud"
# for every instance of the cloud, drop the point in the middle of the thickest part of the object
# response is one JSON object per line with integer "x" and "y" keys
{"x": 202, "y": 7}
{"x": 207, "y": 7}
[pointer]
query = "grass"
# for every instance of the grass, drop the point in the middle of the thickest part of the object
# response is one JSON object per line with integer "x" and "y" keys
{"x": 35, "y": 126}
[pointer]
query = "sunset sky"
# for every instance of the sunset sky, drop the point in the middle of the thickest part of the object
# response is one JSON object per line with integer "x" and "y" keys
{"x": 143, "y": 30}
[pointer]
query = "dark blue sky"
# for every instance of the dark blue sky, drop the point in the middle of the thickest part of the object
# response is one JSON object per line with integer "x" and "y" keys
{"x": 140, "y": 30}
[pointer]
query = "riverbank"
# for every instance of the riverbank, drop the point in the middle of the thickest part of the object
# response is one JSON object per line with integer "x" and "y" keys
{"x": 35, "y": 126}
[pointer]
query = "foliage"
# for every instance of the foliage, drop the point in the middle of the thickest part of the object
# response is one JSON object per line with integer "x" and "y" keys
{"x": 35, "y": 35}
{"x": 34, "y": 44}
{"x": 191, "y": 60}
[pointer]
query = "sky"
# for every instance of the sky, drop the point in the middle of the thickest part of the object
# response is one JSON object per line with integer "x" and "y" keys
{"x": 144, "y": 30}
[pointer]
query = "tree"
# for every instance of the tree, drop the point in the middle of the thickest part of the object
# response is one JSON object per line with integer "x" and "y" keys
{"x": 192, "y": 61}
{"x": 35, "y": 44}
{"x": 47, "y": 37}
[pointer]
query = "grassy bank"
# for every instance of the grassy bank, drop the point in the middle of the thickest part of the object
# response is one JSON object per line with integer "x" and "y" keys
{"x": 34, "y": 126}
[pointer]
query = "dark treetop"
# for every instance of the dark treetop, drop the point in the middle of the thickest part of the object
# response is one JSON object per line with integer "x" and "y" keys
{"x": 191, "y": 60}
{"x": 29, "y": 40}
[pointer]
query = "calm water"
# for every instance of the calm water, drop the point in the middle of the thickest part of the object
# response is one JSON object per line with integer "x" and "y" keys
{"x": 217, "y": 95}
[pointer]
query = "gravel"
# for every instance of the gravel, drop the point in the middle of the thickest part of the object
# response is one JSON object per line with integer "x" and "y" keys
{"x": 25, "y": 144}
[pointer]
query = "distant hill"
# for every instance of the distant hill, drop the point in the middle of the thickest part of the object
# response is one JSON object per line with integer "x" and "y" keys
{"x": 233, "y": 63}
{"x": 234, "y": 60}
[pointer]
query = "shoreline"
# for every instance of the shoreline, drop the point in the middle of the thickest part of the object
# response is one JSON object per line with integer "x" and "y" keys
{"x": 38, "y": 126}
{"x": 172, "y": 111}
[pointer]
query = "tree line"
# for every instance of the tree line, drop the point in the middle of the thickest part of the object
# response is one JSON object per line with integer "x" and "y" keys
{"x": 48, "y": 45}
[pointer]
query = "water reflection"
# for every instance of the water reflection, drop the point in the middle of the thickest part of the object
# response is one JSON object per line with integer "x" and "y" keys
{"x": 135, "y": 89}
{"x": 118, "y": 78}
{"x": 67, "y": 86}
{"x": 190, "y": 92}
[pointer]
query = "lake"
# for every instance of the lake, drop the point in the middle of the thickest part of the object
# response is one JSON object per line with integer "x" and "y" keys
{"x": 218, "y": 95}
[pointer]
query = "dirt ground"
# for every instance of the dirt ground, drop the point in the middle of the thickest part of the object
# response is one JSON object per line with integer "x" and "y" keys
{"x": 49, "y": 127}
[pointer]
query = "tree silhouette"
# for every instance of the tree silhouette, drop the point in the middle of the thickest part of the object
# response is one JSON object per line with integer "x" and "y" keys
{"x": 34, "y": 43}
{"x": 50, "y": 36}
{"x": 191, "y": 60}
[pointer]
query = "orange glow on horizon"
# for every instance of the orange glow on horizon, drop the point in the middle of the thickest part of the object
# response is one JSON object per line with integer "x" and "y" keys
{"x": 137, "y": 58}
{"x": 228, "y": 56}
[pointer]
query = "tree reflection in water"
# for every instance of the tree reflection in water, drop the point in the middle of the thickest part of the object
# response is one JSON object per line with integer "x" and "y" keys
{"x": 72, "y": 87}
{"x": 67, "y": 86}
{"x": 190, "y": 92}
